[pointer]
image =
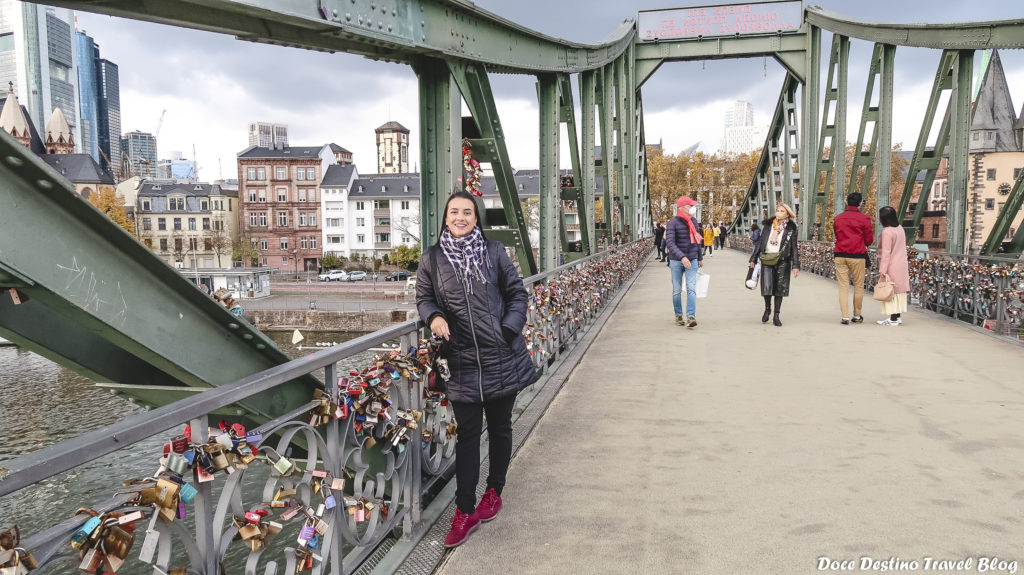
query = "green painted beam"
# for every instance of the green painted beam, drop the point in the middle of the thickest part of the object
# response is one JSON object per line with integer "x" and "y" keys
{"x": 396, "y": 31}
{"x": 567, "y": 116}
{"x": 809, "y": 201}
{"x": 440, "y": 148}
{"x": 839, "y": 134}
{"x": 867, "y": 155}
{"x": 884, "y": 126}
{"x": 103, "y": 304}
{"x": 588, "y": 176}
{"x": 606, "y": 104}
{"x": 719, "y": 48}
{"x": 476, "y": 91}
{"x": 964, "y": 35}
{"x": 551, "y": 230}
{"x": 1010, "y": 211}
{"x": 959, "y": 136}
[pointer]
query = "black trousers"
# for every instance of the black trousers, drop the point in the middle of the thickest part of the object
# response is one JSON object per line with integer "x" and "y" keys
{"x": 469, "y": 417}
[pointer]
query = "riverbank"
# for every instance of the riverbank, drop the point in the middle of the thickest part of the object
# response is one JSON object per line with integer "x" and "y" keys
{"x": 361, "y": 321}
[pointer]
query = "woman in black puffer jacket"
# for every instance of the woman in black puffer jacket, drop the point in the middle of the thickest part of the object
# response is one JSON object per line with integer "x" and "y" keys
{"x": 470, "y": 294}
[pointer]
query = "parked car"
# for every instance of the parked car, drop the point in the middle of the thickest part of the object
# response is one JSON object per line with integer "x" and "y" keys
{"x": 399, "y": 276}
{"x": 356, "y": 276}
{"x": 334, "y": 276}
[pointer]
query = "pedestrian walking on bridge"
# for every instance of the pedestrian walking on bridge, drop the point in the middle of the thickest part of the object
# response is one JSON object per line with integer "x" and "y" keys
{"x": 470, "y": 294}
{"x": 683, "y": 241}
{"x": 779, "y": 255}
{"x": 892, "y": 262}
{"x": 854, "y": 233}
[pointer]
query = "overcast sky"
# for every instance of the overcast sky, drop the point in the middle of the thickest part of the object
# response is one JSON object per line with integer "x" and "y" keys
{"x": 213, "y": 85}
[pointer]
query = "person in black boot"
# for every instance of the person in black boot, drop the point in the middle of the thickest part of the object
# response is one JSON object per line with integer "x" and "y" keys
{"x": 779, "y": 255}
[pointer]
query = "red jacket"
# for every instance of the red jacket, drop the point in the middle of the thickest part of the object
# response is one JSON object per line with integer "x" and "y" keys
{"x": 854, "y": 233}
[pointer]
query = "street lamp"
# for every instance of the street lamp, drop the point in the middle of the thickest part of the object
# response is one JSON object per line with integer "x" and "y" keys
{"x": 295, "y": 257}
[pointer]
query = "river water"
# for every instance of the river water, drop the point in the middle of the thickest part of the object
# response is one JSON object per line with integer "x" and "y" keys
{"x": 42, "y": 403}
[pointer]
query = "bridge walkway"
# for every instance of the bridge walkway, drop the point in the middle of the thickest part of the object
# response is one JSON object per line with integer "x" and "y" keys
{"x": 737, "y": 447}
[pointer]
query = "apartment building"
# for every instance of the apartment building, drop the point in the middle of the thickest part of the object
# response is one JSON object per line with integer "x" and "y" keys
{"x": 188, "y": 224}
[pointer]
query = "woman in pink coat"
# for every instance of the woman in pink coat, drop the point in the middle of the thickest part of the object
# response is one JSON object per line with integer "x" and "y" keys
{"x": 892, "y": 262}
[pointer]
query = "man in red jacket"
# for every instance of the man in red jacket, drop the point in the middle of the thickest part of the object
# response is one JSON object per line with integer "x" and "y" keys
{"x": 854, "y": 233}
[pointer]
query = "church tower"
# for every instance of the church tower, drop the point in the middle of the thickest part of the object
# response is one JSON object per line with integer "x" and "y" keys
{"x": 392, "y": 149}
{"x": 14, "y": 121}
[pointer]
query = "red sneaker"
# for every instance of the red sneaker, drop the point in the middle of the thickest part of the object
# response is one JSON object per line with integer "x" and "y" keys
{"x": 489, "y": 506}
{"x": 463, "y": 524}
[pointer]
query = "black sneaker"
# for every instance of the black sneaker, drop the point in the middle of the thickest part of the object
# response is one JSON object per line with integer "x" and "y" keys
{"x": 857, "y": 319}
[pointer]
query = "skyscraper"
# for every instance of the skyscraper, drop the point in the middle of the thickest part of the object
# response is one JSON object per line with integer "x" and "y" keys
{"x": 108, "y": 89}
{"x": 741, "y": 114}
{"x": 37, "y": 54}
{"x": 741, "y": 135}
{"x": 139, "y": 149}
{"x": 88, "y": 53}
{"x": 267, "y": 135}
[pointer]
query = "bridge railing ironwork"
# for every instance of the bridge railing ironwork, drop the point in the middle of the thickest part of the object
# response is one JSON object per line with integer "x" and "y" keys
{"x": 984, "y": 291}
{"x": 339, "y": 484}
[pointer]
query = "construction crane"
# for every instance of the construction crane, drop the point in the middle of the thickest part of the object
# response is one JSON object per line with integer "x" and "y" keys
{"x": 159, "y": 124}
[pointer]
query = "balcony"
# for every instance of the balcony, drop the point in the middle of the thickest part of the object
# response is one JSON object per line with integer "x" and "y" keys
{"x": 382, "y": 245}
{"x": 381, "y": 229}
{"x": 381, "y": 212}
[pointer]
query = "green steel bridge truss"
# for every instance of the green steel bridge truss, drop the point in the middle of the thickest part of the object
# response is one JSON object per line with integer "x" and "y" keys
{"x": 453, "y": 46}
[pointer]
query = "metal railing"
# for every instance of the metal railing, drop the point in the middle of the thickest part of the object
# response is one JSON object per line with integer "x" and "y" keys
{"x": 984, "y": 291}
{"x": 347, "y": 483}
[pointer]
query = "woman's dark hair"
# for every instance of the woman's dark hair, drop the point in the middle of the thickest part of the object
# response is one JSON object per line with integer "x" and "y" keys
{"x": 753, "y": 225}
{"x": 887, "y": 215}
{"x": 444, "y": 215}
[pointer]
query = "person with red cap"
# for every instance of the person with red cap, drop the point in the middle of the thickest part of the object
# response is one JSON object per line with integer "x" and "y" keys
{"x": 684, "y": 243}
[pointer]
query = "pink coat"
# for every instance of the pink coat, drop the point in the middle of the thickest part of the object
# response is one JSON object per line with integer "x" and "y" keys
{"x": 892, "y": 257}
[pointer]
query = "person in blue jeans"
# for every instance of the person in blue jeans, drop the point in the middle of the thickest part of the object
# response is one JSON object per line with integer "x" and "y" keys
{"x": 684, "y": 243}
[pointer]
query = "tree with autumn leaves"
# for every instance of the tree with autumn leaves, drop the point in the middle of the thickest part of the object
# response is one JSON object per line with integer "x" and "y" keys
{"x": 718, "y": 182}
{"x": 111, "y": 204}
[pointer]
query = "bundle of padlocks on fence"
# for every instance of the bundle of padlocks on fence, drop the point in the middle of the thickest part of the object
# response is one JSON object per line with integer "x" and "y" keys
{"x": 14, "y": 560}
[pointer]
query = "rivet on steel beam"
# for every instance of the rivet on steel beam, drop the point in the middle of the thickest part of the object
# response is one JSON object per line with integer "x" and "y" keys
{"x": 246, "y": 336}
{"x": 233, "y": 325}
{"x": 348, "y": 16}
{"x": 14, "y": 161}
{"x": 45, "y": 184}
{"x": 261, "y": 346}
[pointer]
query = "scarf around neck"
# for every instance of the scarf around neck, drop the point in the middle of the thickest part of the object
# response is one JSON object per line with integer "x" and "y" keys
{"x": 778, "y": 227}
{"x": 694, "y": 236}
{"x": 467, "y": 255}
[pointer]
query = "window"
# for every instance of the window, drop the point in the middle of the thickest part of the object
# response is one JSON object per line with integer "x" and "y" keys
{"x": 251, "y": 173}
{"x": 163, "y": 244}
{"x": 282, "y": 195}
{"x": 333, "y": 222}
{"x": 253, "y": 219}
{"x": 204, "y": 205}
{"x": 282, "y": 219}
{"x": 360, "y": 222}
{"x": 284, "y": 243}
{"x": 383, "y": 222}
{"x": 312, "y": 194}
{"x": 304, "y": 242}
{"x": 334, "y": 205}
{"x": 405, "y": 204}
{"x": 208, "y": 245}
{"x": 176, "y": 204}
{"x": 935, "y": 230}
{"x": 302, "y": 194}
{"x": 252, "y": 195}
{"x": 312, "y": 242}
{"x": 262, "y": 194}
{"x": 284, "y": 260}
{"x": 206, "y": 223}
{"x": 145, "y": 203}
{"x": 406, "y": 239}
{"x": 990, "y": 174}
{"x": 990, "y": 204}
{"x": 218, "y": 225}
{"x": 261, "y": 173}
{"x": 263, "y": 219}
{"x": 383, "y": 238}
{"x": 263, "y": 243}
{"x": 360, "y": 205}
{"x": 974, "y": 136}
{"x": 312, "y": 219}
{"x": 177, "y": 223}
{"x": 360, "y": 238}
{"x": 1001, "y": 204}
{"x": 335, "y": 239}
{"x": 178, "y": 245}
{"x": 192, "y": 224}
{"x": 193, "y": 244}
{"x": 300, "y": 173}
{"x": 147, "y": 224}
{"x": 381, "y": 204}
{"x": 281, "y": 172}
{"x": 302, "y": 219}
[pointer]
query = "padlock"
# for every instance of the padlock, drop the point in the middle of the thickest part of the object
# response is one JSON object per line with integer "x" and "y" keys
{"x": 25, "y": 558}
{"x": 314, "y": 542}
{"x": 283, "y": 466}
{"x": 202, "y": 475}
{"x": 253, "y": 437}
{"x": 273, "y": 527}
{"x": 287, "y": 515}
{"x": 187, "y": 492}
{"x": 130, "y": 517}
{"x": 248, "y": 531}
{"x": 85, "y": 531}
{"x": 111, "y": 563}
{"x": 338, "y": 483}
{"x": 318, "y": 473}
{"x": 225, "y": 441}
{"x": 176, "y": 463}
{"x": 91, "y": 560}
{"x": 306, "y": 533}
{"x": 179, "y": 444}
{"x": 182, "y": 510}
{"x": 330, "y": 502}
{"x": 320, "y": 510}
{"x": 321, "y": 526}
{"x": 149, "y": 543}
{"x": 118, "y": 542}
{"x": 218, "y": 458}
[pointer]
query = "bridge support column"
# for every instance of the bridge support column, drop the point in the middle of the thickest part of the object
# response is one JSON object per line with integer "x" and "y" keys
{"x": 959, "y": 146}
{"x": 586, "y": 179}
{"x": 440, "y": 144}
{"x": 550, "y": 215}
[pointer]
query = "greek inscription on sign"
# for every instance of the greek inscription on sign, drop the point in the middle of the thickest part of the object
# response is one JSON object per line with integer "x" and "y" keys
{"x": 94, "y": 295}
{"x": 727, "y": 20}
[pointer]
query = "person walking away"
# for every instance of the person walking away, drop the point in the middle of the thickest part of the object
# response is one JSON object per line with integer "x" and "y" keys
{"x": 722, "y": 236}
{"x": 892, "y": 262}
{"x": 683, "y": 241}
{"x": 718, "y": 236}
{"x": 854, "y": 233}
{"x": 709, "y": 241}
{"x": 469, "y": 293}
{"x": 755, "y": 234}
{"x": 779, "y": 255}
{"x": 659, "y": 241}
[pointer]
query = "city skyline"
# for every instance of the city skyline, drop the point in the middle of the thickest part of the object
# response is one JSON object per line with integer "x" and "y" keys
{"x": 213, "y": 86}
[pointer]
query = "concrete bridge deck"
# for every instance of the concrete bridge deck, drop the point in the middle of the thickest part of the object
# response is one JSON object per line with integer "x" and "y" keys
{"x": 737, "y": 447}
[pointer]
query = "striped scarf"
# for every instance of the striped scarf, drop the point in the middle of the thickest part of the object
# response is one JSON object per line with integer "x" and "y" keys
{"x": 467, "y": 255}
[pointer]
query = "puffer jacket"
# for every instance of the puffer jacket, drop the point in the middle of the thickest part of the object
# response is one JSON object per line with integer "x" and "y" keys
{"x": 677, "y": 240}
{"x": 486, "y": 352}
